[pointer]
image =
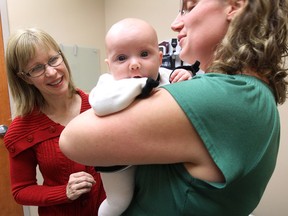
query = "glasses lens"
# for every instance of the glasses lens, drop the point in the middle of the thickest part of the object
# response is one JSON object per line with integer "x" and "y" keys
{"x": 55, "y": 60}
{"x": 186, "y": 6}
{"x": 37, "y": 71}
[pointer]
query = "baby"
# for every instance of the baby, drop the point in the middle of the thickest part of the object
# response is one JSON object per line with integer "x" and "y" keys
{"x": 134, "y": 61}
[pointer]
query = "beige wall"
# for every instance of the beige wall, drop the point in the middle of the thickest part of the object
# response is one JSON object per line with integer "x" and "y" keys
{"x": 159, "y": 13}
{"x": 85, "y": 22}
{"x": 70, "y": 22}
{"x": 274, "y": 201}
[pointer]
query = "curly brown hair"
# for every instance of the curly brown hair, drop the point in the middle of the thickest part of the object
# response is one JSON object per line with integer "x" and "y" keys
{"x": 257, "y": 40}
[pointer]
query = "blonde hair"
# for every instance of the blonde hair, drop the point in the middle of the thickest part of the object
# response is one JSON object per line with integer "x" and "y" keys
{"x": 21, "y": 48}
{"x": 257, "y": 40}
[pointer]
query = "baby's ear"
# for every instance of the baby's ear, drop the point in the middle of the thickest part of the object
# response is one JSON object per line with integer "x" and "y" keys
{"x": 160, "y": 57}
{"x": 108, "y": 63}
{"x": 234, "y": 8}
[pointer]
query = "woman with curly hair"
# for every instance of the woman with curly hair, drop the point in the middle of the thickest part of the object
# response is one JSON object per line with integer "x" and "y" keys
{"x": 209, "y": 145}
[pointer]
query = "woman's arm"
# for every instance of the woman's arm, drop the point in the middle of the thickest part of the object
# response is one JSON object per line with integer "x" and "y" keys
{"x": 24, "y": 185}
{"x": 153, "y": 130}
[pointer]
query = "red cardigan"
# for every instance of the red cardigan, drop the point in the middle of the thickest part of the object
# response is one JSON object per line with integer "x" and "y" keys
{"x": 34, "y": 140}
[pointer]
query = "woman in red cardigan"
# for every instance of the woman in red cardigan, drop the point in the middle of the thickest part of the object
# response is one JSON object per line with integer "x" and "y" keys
{"x": 46, "y": 100}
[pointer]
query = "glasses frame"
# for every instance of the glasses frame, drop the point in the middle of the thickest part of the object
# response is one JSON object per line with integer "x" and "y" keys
{"x": 183, "y": 11}
{"x": 44, "y": 65}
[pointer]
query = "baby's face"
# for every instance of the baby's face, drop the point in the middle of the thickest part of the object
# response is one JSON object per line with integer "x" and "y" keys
{"x": 133, "y": 53}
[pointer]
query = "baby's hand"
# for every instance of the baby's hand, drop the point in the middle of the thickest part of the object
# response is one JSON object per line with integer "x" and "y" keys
{"x": 180, "y": 75}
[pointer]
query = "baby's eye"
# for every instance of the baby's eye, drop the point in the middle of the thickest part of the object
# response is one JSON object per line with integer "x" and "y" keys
{"x": 144, "y": 54}
{"x": 121, "y": 58}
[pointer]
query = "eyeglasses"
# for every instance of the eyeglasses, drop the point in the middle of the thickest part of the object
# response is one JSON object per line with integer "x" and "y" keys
{"x": 40, "y": 69}
{"x": 185, "y": 7}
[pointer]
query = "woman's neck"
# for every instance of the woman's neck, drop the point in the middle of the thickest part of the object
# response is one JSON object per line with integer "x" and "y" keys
{"x": 257, "y": 75}
{"x": 62, "y": 110}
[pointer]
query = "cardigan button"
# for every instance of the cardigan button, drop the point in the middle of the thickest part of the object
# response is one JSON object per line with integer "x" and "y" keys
{"x": 12, "y": 149}
{"x": 52, "y": 129}
{"x": 30, "y": 138}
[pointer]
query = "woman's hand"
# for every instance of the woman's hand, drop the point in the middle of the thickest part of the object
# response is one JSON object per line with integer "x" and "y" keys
{"x": 78, "y": 184}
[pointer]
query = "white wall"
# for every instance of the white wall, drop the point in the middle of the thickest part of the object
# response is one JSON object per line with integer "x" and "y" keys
{"x": 85, "y": 22}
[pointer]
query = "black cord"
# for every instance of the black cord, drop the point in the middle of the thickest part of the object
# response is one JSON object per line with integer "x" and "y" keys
{"x": 194, "y": 68}
{"x": 149, "y": 86}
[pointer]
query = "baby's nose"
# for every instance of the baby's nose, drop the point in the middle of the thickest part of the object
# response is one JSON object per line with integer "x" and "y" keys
{"x": 134, "y": 65}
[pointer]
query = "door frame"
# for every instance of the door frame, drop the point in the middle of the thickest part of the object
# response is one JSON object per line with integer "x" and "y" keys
{"x": 5, "y": 35}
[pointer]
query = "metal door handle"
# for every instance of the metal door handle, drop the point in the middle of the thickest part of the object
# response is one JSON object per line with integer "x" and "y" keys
{"x": 3, "y": 130}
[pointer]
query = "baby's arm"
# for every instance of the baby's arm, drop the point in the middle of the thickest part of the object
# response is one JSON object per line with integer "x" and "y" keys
{"x": 184, "y": 72}
{"x": 110, "y": 95}
{"x": 179, "y": 75}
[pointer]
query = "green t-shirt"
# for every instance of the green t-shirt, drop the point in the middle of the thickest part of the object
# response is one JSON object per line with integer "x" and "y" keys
{"x": 237, "y": 118}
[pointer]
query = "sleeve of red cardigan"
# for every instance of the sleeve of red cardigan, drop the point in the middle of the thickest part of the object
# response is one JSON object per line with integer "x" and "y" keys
{"x": 24, "y": 185}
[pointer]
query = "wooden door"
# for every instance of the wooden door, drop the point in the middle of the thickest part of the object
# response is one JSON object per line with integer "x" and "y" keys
{"x": 8, "y": 206}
